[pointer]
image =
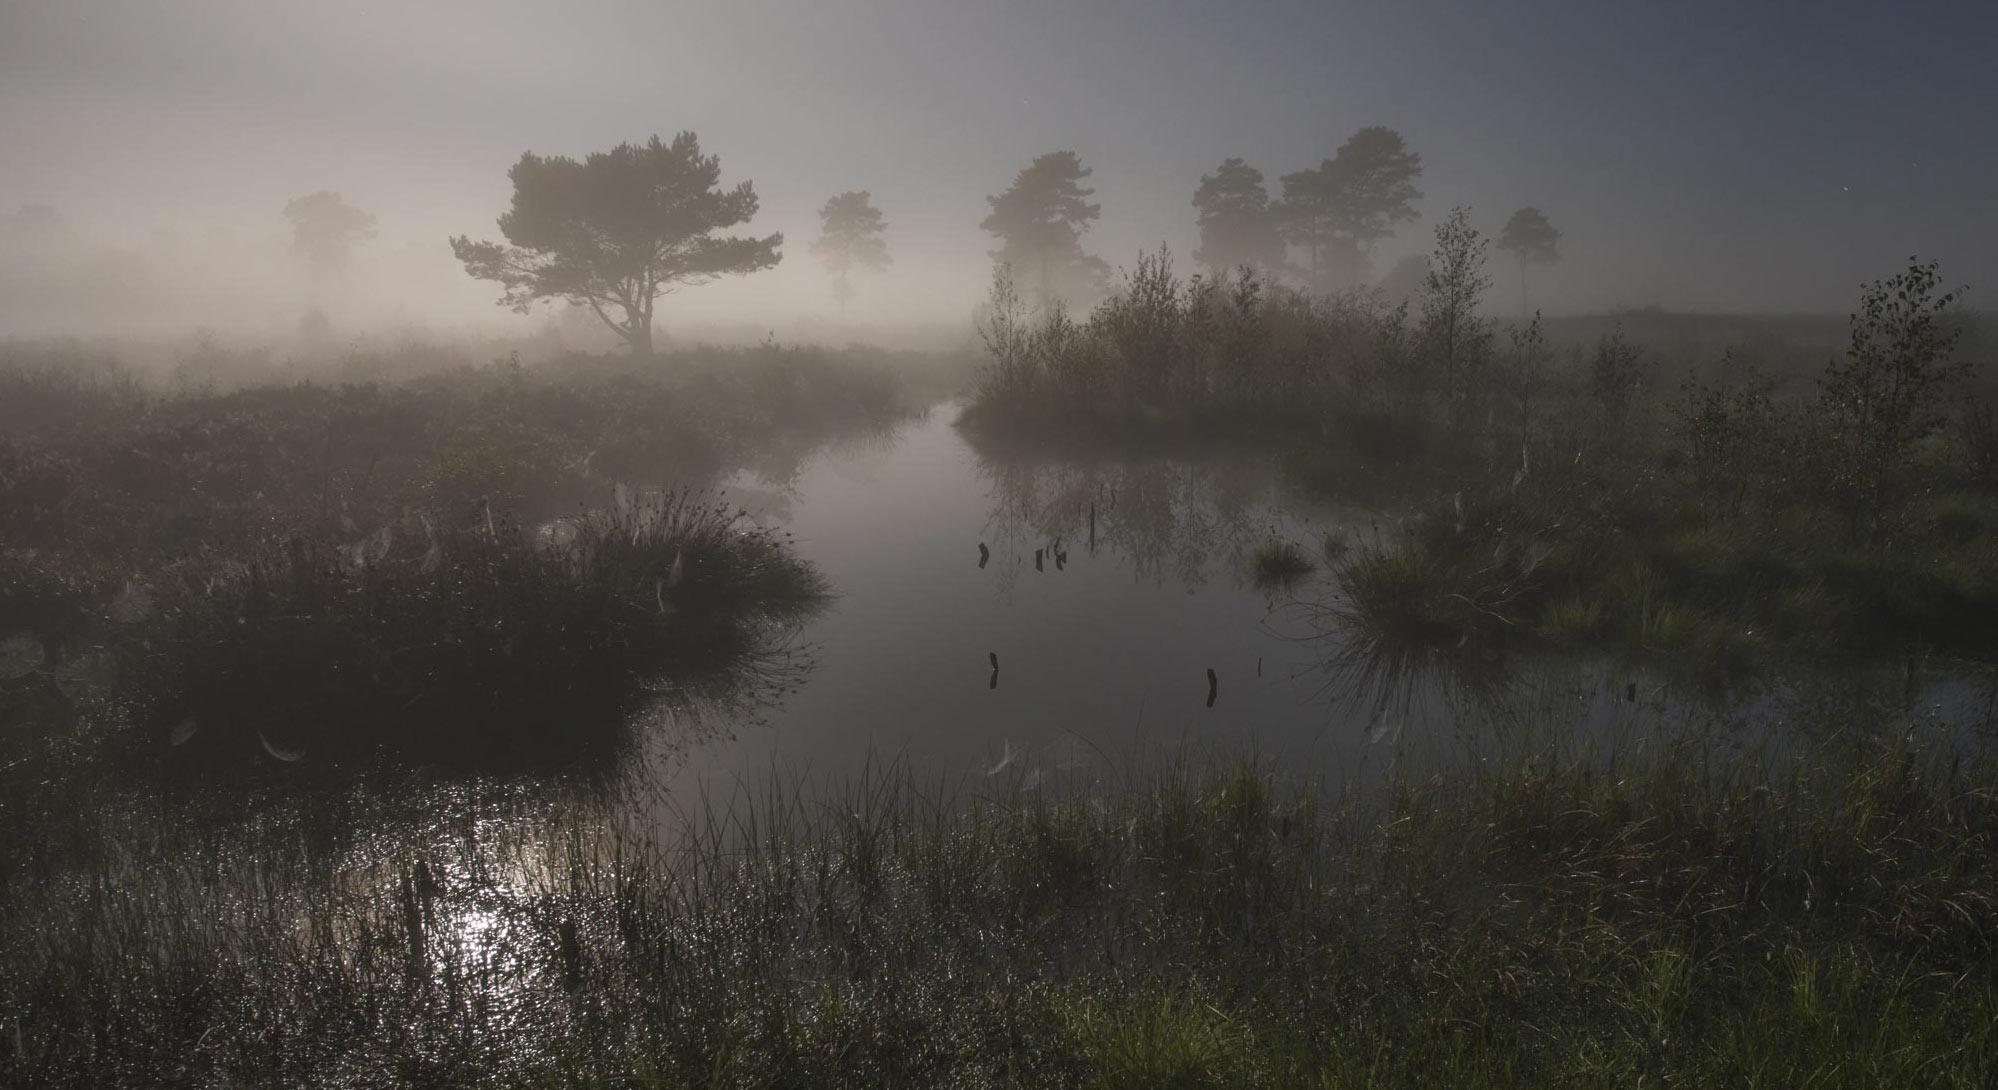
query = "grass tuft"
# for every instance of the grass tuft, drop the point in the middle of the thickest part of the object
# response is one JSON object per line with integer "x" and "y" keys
{"x": 1277, "y": 562}
{"x": 479, "y": 646}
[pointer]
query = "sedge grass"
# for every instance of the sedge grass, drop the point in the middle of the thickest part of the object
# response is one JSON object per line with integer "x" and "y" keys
{"x": 1802, "y": 914}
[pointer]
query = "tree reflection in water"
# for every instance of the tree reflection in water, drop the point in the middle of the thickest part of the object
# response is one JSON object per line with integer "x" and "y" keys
{"x": 1164, "y": 519}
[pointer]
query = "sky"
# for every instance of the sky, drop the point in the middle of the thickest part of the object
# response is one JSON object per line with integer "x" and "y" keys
{"x": 1717, "y": 156}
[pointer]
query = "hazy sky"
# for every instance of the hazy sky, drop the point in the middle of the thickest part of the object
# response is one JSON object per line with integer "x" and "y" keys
{"x": 1715, "y": 155}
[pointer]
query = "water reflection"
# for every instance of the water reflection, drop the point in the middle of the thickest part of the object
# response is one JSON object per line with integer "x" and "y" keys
{"x": 1148, "y": 579}
{"x": 1161, "y": 519}
{"x": 1144, "y": 584}
{"x": 465, "y": 908}
{"x": 1479, "y": 697}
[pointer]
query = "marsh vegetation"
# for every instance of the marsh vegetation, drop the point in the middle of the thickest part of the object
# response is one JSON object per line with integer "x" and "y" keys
{"x": 1271, "y": 666}
{"x": 368, "y": 742}
{"x": 1752, "y": 507}
{"x": 1567, "y": 914}
{"x": 433, "y": 571}
{"x": 353, "y": 717}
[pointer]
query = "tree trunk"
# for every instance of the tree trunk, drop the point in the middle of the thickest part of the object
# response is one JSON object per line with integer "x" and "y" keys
{"x": 639, "y": 336}
{"x": 641, "y": 327}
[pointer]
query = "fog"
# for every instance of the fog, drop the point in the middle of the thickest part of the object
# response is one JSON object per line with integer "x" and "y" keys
{"x": 1709, "y": 157}
{"x": 1058, "y": 543}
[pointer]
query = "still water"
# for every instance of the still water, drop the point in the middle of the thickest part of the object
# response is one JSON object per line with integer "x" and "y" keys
{"x": 1103, "y": 642}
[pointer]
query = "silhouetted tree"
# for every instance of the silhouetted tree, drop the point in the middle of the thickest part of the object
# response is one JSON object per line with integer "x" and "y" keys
{"x": 1040, "y": 220}
{"x": 1338, "y": 211}
{"x": 1236, "y": 227}
{"x": 325, "y": 229}
{"x": 1887, "y": 395}
{"x": 618, "y": 230}
{"x": 850, "y": 230}
{"x": 1456, "y": 339}
{"x": 1530, "y": 239}
{"x": 1307, "y": 217}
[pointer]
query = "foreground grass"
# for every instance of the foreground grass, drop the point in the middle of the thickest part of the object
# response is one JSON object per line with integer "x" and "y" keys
{"x": 1678, "y": 917}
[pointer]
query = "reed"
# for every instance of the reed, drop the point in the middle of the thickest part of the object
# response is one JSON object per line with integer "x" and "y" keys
{"x": 1558, "y": 914}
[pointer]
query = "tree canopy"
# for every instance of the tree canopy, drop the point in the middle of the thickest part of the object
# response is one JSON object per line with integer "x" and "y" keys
{"x": 1039, "y": 221}
{"x": 1337, "y": 211}
{"x": 1530, "y": 239}
{"x": 1236, "y": 226}
{"x": 618, "y": 230}
{"x": 850, "y": 230}
{"x": 325, "y": 229}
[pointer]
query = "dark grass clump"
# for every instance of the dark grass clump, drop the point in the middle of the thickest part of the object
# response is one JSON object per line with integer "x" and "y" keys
{"x": 468, "y": 646}
{"x": 1401, "y": 595}
{"x": 1815, "y": 914}
{"x": 1280, "y": 563}
{"x": 1599, "y": 561}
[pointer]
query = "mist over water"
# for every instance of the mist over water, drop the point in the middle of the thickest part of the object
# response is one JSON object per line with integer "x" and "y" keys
{"x": 1121, "y": 543}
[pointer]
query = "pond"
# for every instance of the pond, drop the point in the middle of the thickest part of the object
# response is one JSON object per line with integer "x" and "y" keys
{"x": 1105, "y": 590}
{"x": 423, "y": 916}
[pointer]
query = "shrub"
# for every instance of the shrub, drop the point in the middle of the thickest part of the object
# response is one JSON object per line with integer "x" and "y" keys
{"x": 1886, "y": 394}
{"x": 1618, "y": 374}
{"x": 1455, "y": 338}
